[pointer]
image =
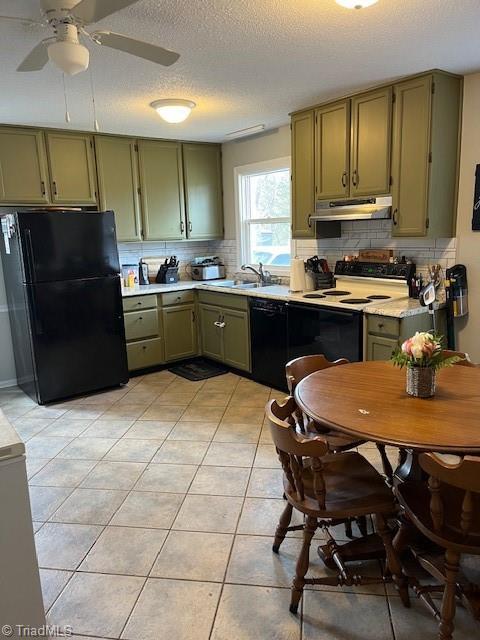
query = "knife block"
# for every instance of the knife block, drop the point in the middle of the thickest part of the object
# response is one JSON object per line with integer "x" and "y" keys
{"x": 167, "y": 275}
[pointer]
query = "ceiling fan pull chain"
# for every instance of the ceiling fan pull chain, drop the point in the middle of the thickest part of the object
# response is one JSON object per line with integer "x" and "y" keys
{"x": 96, "y": 126}
{"x": 67, "y": 115}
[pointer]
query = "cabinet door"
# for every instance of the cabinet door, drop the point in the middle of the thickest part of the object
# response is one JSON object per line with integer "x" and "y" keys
{"x": 379, "y": 348}
{"x": 211, "y": 333}
{"x": 118, "y": 185}
{"x": 180, "y": 332}
{"x": 370, "y": 143}
{"x": 332, "y": 150}
{"x": 410, "y": 155}
{"x": 202, "y": 172}
{"x": 161, "y": 186}
{"x": 23, "y": 166}
{"x": 303, "y": 174}
{"x": 72, "y": 168}
{"x": 236, "y": 339}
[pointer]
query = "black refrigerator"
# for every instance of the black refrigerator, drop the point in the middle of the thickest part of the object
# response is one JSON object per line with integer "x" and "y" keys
{"x": 62, "y": 280}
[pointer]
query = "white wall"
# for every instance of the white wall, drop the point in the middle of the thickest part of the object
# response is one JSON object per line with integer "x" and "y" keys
{"x": 468, "y": 241}
{"x": 267, "y": 146}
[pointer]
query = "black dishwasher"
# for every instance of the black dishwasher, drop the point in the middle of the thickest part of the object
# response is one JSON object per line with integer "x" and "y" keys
{"x": 314, "y": 329}
{"x": 268, "y": 322}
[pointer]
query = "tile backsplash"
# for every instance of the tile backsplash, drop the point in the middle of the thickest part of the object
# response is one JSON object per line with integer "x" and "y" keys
{"x": 357, "y": 234}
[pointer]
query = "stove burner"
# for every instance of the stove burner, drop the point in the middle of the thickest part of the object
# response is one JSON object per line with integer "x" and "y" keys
{"x": 336, "y": 292}
{"x": 378, "y": 297}
{"x": 314, "y": 295}
{"x": 355, "y": 301}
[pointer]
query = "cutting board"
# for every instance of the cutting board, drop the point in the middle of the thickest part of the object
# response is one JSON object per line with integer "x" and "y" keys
{"x": 375, "y": 255}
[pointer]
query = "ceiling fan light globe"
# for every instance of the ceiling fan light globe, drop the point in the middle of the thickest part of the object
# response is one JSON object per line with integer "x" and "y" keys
{"x": 173, "y": 111}
{"x": 70, "y": 57}
{"x": 356, "y": 4}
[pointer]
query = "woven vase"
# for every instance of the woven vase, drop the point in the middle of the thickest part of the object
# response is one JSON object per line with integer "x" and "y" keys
{"x": 421, "y": 381}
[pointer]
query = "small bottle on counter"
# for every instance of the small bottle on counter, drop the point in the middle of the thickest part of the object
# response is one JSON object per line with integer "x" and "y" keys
{"x": 131, "y": 279}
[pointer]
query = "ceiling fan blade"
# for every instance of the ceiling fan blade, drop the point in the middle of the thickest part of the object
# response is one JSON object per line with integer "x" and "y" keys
{"x": 28, "y": 21}
{"x": 136, "y": 47}
{"x": 89, "y": 11}
{"x": 37, "y": 58}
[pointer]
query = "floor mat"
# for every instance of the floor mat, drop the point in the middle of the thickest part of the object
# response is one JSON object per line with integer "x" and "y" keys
{"x": 198, "y": 369}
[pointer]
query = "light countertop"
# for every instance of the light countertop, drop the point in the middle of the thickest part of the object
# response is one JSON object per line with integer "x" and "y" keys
{"x": 397, "y": 308}
{"x": 10, "y": 443}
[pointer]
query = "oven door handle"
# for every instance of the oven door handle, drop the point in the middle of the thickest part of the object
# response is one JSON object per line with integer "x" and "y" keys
{"x": 318, "y": 309}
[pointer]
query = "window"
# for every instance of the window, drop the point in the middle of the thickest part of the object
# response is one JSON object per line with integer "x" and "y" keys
{"x": 264, "y": 218}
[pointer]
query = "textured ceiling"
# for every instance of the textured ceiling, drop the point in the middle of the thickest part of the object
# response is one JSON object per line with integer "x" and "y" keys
{"x": 244, "y": 62}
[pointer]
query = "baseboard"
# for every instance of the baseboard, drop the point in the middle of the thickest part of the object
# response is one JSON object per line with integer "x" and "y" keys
{"x": 8, "y": 383}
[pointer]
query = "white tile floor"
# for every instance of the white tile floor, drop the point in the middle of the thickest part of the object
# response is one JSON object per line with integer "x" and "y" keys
{"x": 155, "y": 507}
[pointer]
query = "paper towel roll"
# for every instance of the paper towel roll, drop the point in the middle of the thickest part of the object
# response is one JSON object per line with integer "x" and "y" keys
{"x": 297, "y": 275}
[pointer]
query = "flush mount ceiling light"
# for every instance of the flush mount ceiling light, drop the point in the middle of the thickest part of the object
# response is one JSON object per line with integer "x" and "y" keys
{"x": 173, "y": 110}
{"x": 356, "y": 4}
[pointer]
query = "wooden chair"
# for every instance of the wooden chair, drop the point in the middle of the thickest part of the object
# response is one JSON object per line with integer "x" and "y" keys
{"x": 300, "y": 368}
{"x": 329, "y": 490}
{"x": 465, "y": 358}
{"x": 447, "y": 511}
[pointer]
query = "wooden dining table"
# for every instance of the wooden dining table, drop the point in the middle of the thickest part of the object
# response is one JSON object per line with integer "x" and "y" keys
{"x": 368, "y": 400}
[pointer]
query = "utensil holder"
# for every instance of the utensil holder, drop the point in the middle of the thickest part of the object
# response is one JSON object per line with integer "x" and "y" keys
{"x": 323, "y": 280}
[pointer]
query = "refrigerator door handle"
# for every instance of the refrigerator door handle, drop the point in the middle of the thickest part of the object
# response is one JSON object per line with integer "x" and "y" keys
{"x": 36, "y": 325}
{"x": 29, "y": 255}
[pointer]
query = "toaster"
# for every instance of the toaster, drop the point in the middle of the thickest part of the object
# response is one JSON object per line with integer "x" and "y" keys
{"x": 207, "y": 268}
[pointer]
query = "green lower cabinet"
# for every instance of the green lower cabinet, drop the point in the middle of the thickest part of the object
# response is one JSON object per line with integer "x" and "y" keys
{"x": 144, "y": 354}
{"x": 180, "y": 332}
{"x": 380, "y": 348}
{"x": 236, "y": 339}
{"x": 211, "y": 331}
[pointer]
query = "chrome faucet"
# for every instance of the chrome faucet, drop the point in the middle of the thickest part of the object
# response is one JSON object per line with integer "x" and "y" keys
{"x": 263, "y": 276}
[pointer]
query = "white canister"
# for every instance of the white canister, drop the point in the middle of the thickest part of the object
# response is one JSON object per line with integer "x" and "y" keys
{"x": 297, "y": 275}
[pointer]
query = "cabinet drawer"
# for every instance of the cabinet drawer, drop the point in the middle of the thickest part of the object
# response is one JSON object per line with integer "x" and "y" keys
{"x": 141, "y": 324}
{"x": 146, "y": 353}
{"x": 384, "y": 325}
{"x": 136, "y": 303}
{"x": 178, "y": 297}
{"x": 230, "y": 300}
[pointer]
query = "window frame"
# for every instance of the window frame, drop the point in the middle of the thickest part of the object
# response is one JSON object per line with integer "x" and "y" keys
{"x": 241, "y": 224}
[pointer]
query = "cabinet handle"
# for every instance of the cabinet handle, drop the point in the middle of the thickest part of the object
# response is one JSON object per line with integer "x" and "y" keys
{"x": 193, "y": 316}
{"x": 380, "y": 325}
{"x": 189, "y": 226}
{"x": 394, "y": 217}
{"x": 182, "y": 226}
{"x": 219, "y": 324}
{"x": 310, "y": 221}
{"x": 54, "y": 188}
{"x": 344, "y": 179}
{"x": 141, "y": 318}
{"x": 355, "y": 178}
{"x": 144, "y": 347}
{"x": 42, "y": 183}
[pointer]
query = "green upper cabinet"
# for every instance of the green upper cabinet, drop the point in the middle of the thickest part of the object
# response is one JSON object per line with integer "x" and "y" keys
{"x": 180, "y": 332}
{"x": 23, "y": 166}
{"x": 72, "y": 168}
{"x": 370, "y": 143}
{"x": 426, "y": 121}
{"x": 303, "y": 174}
{"x": 202, "y": 172}
{"x": 161, "y": 186}
{"x": 118, "y": 185}
{"x": 332, "y": 150}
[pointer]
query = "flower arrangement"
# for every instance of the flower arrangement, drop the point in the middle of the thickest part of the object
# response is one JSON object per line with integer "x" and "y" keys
{"x": 424, "y": 349}
{"x": 423, "y": 357}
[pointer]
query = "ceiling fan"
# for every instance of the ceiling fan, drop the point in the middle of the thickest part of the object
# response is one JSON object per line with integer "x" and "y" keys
{"x": 68, "y": 19}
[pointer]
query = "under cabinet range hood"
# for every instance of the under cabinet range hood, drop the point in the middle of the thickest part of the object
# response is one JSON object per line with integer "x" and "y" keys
{"x": 374, "y": 208}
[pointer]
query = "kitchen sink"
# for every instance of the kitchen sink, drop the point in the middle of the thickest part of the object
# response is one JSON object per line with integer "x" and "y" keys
{"x": 239, "y": 284}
